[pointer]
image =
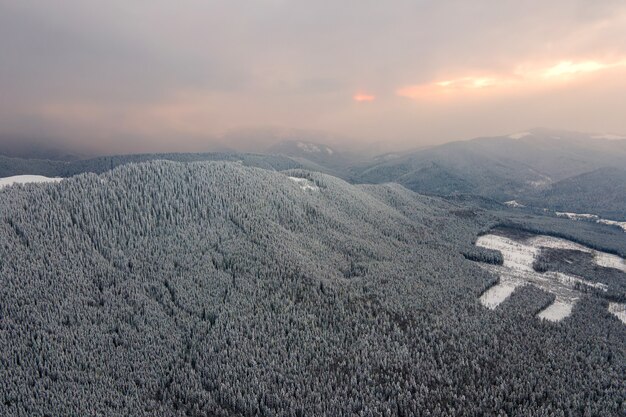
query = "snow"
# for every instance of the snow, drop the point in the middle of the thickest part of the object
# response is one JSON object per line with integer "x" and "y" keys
{"x": 540, "y": 183}
{"x": 517, "y": 270}
{"x": 329, "y": 151}
{"x": 608, "y": 260}
{"x": 305, "y": 184}
{"x": 520, "y": 135}
{"x": 557, "y": 311}
{"x": 619, "y": 310}
{"x": 495, "y": 295}
{"x": 514, "y": 204}
{"x": 592, "y": 217}
{"x": 577, "y": 216}
{"x": 25, "y": 179}
{"x": 621, "y": 225}
{"x": 308, "y": 147}
{"x": 517, "y": 256}
{"x": 609, "y": 137}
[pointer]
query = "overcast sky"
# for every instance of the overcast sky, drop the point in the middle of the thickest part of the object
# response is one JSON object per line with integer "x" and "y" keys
{"x": 151, "y": 75}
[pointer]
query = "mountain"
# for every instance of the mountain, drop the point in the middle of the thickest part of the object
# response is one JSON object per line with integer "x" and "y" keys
{"x": 503, "y": 168}
{"x": 37, "y": 148}
{"x": 214, "y": 288}
{"x": 601, "y": 192}
{"x": 319, "y": 157}
{"x": 50, "y": 168}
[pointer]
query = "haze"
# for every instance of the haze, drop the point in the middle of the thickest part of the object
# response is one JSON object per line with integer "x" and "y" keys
{"x": 156, "y": 75}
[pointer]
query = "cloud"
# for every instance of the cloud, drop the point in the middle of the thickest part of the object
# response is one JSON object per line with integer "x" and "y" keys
{"x": 362, "y": 97}
{"x": 518, "y": 79}
{"x": 99, "y": 73}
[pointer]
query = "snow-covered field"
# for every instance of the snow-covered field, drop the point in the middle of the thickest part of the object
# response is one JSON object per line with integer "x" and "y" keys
{"x": 517, "y": 270}
{"x": 591, "y": 217}
{"x": 514, "y": 204}
{"x": 557, "y": 311}
{"x": 25, "y": 179}
{"x": 613, "y": 223}
{"x": 609, "y": 136}
{"x": 305, "y": 184}
{"x": 495, "y": 295}
{"x": 619, "y": 310}
{"x": 577, "y": 216}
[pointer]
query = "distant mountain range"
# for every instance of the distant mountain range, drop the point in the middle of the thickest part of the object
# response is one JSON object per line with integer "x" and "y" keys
{"x": 564, "y": 171}
{"x": 526, "y": 166}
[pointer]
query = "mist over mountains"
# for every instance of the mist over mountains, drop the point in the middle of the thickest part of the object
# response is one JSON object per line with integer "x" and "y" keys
{"x": 527, "y": 166}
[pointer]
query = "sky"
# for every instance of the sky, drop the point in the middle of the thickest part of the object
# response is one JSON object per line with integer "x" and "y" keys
{"x": 162, "y": 75}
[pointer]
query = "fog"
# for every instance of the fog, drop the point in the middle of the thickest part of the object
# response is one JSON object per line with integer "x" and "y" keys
{"x": 157, "y": 75}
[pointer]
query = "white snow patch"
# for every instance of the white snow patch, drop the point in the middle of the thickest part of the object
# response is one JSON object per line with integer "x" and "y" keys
{"x": 308, "y": 147}
{"x": 591, "y": 217}
{"x": 25, "y": 179}
{"x": 576, "y": 216}
{"x": 495, "y": 295}
{"x": 305, "y": 184}
{"x": 519, "y": 135}
{"x": 608, "y": 260}
{"x": 619, "y": 310}
{"x": 608, "y": 136}
{"x": 557, "y": 311}
{"x": 517, "y": 256}
{"x": 329, "y": 151}
{"x": 540, "y": 183}
{"x": 514, "y": 204}
{"x": 613, "y": 223}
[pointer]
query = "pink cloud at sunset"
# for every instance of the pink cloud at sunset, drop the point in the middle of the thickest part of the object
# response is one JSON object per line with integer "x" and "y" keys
{"x": 361, "y": 97}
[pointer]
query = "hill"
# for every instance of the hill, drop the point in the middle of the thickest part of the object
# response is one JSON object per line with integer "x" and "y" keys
{"x": 212, "y": 288}
{"x": 499, "y": 167}
{"x": 53, "y": 168}
{"x": 319, "y": 157}
{"x": 601, "y": 192}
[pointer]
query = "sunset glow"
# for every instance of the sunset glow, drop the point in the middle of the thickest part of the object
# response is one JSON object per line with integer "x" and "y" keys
{"x": 569, "y": 68}
{"x": 397, "y": 70}
{"x": 535, "y": 77}
{"x": 363, "y": 98}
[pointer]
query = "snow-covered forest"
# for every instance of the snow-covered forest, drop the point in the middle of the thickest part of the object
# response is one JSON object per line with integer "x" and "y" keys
{"x": 217, "y": 289}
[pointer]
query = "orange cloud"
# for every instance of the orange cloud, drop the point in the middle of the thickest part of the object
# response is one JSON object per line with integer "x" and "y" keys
{"x": 522, "y": 78}
{"x": 363, "y": 97}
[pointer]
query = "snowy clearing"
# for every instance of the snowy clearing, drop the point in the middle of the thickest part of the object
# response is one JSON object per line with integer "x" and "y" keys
{"x": 621, "y": 225}
{"x": 495, "y": 295}
{"x": 557, "y": 311}
{"x": 608, "y": 260}
{"x": 26, "y": 179}
{"x": 517, "y": 270}
{"x": 308, "y": 147}
{"x": 576, "y": 216}
{"x": 609, "y": 137}
{"x": 305, "y": 184}
{"x": 618, "y": 310}
{"x": 514, "y": 204}
{"x": 592, "y": 217}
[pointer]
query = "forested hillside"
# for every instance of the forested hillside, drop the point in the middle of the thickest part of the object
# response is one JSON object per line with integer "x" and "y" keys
{"x": 503, "y": 168}
{"x": 17, "y": 166}
{"x": 212, "y": 288}
{"x": 601, "y": 192}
